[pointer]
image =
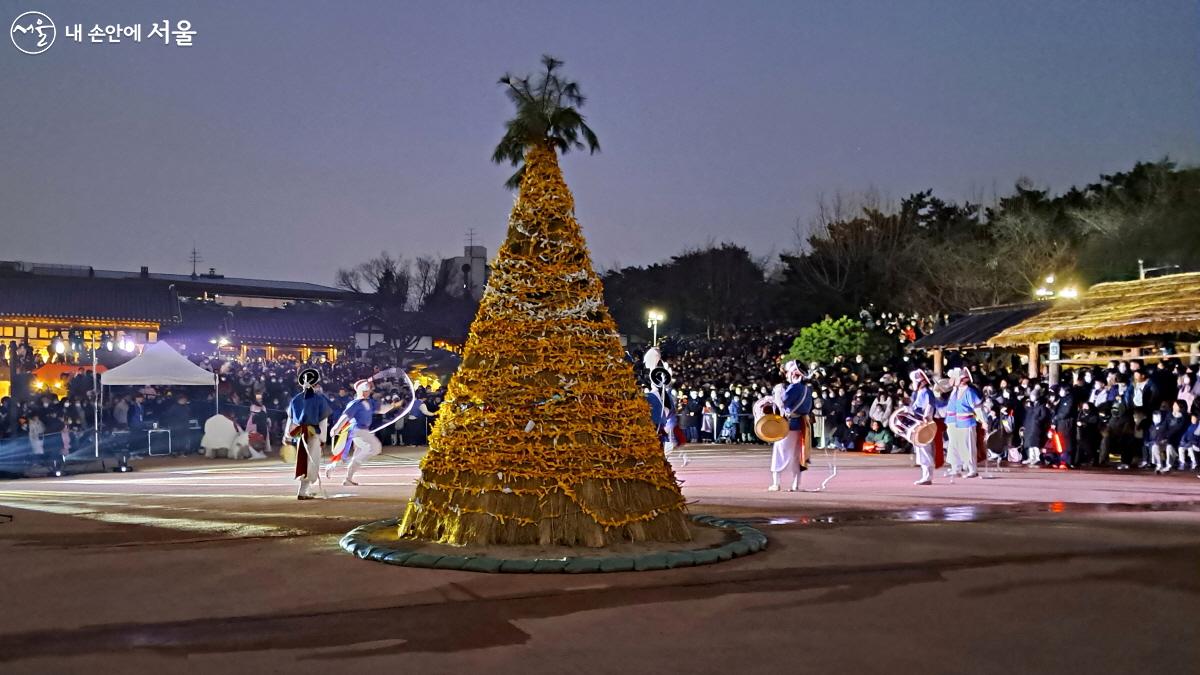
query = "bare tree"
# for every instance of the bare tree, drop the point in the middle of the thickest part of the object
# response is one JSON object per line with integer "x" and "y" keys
{"x": 386, "y": 277}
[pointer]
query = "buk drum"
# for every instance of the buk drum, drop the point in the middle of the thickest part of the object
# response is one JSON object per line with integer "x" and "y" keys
{"x": 769, "y": 425}
{"x": 906, "y": 424}
{"x": 771, "y": 428}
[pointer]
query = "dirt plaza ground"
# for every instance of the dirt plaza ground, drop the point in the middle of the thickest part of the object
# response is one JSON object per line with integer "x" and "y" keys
{"x": 195, "y": 566}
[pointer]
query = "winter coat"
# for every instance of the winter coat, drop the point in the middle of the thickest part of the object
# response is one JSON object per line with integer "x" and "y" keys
{"x": 1037, "y": 422}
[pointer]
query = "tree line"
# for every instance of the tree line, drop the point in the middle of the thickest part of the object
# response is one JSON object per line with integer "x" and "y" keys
{"x": 926, "y": 255}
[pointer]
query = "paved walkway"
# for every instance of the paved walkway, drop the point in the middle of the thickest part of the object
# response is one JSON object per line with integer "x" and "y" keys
{"x": 188, "y": 565}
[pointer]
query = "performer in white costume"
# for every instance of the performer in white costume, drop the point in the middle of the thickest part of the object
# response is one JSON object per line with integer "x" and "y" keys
{"x": 794, "y": 401}
{"x": 308, "y": 416}
{"x": 353, "y": 430}
{"x": 924, "y": 406}
{"x": 963, "y": 410}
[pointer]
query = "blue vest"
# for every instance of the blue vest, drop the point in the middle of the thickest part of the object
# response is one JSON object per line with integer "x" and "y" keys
{"x": 960, "y": 408}
{"x": 797, "y": 402}
{"x": 309, "y": 407}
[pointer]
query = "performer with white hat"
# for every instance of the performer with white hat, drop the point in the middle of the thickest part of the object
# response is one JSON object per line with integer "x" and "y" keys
{"x": 794, "y": 401}
{"x": 924, "y": 406}
{"x": 353, "y": 429}
{"x": 963, "y": 411}
{"x": 662, "y": 403}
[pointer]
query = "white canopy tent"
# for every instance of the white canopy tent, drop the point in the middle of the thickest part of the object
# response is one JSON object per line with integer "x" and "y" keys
{"x": 158, "y": 364}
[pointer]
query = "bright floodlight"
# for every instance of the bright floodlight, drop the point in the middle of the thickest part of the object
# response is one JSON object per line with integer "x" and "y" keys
{"x": 1069, "y": 292}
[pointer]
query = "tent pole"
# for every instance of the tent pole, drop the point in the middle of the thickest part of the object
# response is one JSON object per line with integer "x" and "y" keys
{"x": 99, "y": 398}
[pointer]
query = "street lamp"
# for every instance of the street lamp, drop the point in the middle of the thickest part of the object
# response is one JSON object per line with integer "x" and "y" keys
{"x": 1142, "y": 269}
{"x": 1048, "y": 291}
{"x": 653, "y": 318}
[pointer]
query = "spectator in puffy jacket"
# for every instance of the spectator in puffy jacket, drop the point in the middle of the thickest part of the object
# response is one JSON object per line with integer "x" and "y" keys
{"x": 1166, "y": 432}
{"x": 1037, "y": 423}
{"x": 1189, "y": 444}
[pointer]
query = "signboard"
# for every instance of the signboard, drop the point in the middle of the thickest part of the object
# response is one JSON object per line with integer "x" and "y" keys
{"x": 1055, "y": 350}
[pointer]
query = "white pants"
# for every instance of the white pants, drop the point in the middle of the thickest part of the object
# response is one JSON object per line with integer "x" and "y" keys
{"x": 1157, "y": 450}
{"x": 312, "y": 445}
{"x": 961, "y": 452}
{"x": 366, "y": 446}
{"x": 924, "y": 457}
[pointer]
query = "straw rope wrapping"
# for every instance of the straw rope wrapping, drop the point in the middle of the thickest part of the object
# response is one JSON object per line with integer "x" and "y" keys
{"x": 544, "y": 436}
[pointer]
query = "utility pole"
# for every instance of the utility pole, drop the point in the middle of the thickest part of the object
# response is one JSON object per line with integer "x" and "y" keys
{"x": 194, "y": 258}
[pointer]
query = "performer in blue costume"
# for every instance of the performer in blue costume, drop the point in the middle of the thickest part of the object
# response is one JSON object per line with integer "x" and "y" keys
{"x": 353, "y": 428}
{"x": 308, "y": 416}
{"x": 662, "y": 403}
{"x": 963, "y": 411}
{"x": 924, "y": 406}
{"x": 794, "y": 403}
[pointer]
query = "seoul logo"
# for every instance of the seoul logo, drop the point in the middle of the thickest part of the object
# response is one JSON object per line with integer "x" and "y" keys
{"x": 32, "y": 32}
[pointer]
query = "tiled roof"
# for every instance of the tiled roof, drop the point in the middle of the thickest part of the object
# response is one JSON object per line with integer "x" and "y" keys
{"x": 188, "y": 284}
{"x": 87, "y": 299}
{"x": 290, "y": 326}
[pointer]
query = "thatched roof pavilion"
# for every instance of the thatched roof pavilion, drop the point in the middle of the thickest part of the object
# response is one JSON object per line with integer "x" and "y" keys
{"x": 1120, "y": 309}
{"x": 1121, "y": 315}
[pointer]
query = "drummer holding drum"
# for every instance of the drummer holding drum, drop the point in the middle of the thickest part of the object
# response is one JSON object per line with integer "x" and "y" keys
{"x": 916, "y": 423}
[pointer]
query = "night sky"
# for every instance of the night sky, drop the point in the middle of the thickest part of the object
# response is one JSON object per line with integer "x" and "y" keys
{"x": 298, "y": 137}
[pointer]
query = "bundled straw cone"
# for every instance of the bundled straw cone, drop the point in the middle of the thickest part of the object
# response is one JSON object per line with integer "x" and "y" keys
{"x": 545, "y": 437}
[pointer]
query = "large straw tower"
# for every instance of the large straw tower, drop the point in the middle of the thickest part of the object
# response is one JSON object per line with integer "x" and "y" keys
{"x": 544, "y": 436}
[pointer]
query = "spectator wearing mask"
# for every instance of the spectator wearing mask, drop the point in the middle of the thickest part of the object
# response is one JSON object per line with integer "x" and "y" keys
{"x": 730, "y": 426}
{"x": 1064, "y": 426}
{"x": 693, "y": 417}
{"x": 1102, "y": 394}
{"x": 1168, "y": 431}
{"x": 1037, "y": 423}
{"x": 1142, "y": 394}
{"x": 882, "y": 407}
{"x": 1088, "y": 436}
{"x": 745, "y": 423}
{"x": 1186, "y": 391}
{"x": 1118, "y": 433}
{"x": 1189, "y": 443}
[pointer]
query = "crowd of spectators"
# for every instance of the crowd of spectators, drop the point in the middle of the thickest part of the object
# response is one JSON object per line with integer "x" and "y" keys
{"x": 1130, "y": 413}
{"x": 253, "y": 393}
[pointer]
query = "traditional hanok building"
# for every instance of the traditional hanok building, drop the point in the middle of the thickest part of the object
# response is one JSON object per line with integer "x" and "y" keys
{"x": 445, "y": 328}
{"x": 1149, "y": 319}
{"x": 200, "y": 312}
{"x": 56, "y": 315}
{"x": 303, "y": 330}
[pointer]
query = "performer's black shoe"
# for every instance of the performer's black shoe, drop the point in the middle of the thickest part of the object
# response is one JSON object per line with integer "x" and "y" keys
{"x": 305, "y": 497}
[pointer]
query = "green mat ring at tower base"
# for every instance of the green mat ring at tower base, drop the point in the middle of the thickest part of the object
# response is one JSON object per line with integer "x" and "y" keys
{"x": 749, "y": 540}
